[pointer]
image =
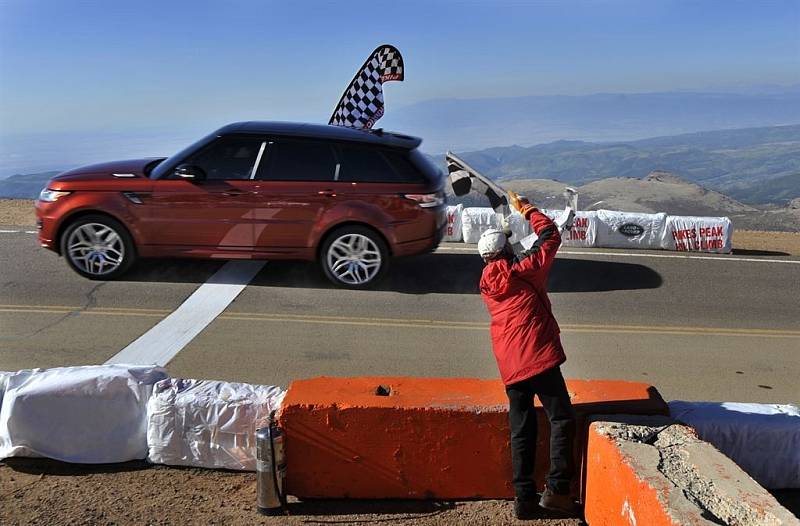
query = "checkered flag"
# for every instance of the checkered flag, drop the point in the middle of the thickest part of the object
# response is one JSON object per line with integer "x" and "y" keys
{"x": 361, "y": 104}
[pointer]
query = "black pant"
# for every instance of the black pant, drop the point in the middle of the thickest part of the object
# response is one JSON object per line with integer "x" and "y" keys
{"x": 549, "y": 386}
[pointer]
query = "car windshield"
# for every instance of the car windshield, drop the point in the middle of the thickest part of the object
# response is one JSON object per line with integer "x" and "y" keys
{"x": 169, "y": 163}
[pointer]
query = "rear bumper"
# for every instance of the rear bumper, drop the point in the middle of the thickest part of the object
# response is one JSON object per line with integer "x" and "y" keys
{"x": 420, "y": 246}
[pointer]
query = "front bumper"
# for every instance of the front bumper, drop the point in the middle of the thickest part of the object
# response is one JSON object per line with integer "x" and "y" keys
{"x": 47, "y": 215}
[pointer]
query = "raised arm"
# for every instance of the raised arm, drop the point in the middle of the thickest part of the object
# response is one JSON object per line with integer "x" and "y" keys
{"x": 540, "y": 256}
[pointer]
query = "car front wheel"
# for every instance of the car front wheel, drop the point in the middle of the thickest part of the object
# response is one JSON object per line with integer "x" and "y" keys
{"x": 354, "y": 257}
{"x": 98, "y": 247}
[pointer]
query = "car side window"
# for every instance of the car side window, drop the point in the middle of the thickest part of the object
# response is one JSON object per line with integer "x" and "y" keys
{"x": 228, "y": 158}
{"x": 365, "y": 165}
{"x": 298, "y": 160}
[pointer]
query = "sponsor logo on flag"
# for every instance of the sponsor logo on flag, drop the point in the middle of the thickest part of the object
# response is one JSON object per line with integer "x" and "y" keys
{"x": 361, "y": 104}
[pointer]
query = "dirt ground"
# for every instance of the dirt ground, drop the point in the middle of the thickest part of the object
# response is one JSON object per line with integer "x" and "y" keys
{"x": 34, "y": 491}
{"x": 19, "y": 212}
{"x": 766, "y": 243}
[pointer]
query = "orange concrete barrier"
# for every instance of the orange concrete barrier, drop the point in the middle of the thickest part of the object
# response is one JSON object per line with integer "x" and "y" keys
{"x": 650, "y": 471}
{"x": 395, "y": 437}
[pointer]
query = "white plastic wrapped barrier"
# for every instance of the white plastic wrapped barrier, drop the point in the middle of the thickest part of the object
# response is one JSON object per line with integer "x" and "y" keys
{"x": 4, "y": 376}
{"x": 629, "y": 230}
{"x": 520, "y": 228}
{"x": 475, "y": 221}
{"x": 453, "y": 229}
{"x": 583, "y": 232}
{"x": 763, "y": 439}
{"x": 92, "y": 414}
{"x": 698, "y": 234}
{"x": 584, "y": 228}
{"x": 206, "y": 423}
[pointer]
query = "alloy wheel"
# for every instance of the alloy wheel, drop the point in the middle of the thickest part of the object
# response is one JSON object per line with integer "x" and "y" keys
{"x": 96, "y": 249}
{"x": 354, "y": 259}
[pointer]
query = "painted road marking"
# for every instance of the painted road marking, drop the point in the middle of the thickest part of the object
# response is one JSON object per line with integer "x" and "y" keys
{"x": 408, "y": 323}
{"x": 160, "y": 344}
{"x": 720, "y": 257}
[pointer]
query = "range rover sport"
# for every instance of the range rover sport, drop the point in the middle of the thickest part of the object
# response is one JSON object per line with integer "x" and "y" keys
{"x": 350, "y": 199}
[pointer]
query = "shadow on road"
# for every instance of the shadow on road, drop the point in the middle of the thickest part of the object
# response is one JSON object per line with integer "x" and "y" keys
{"x": 586, "y": 275}
{"x": 748, "y": 252}
{"x": 173, "y": 270}
{"x": 431, "y": 273}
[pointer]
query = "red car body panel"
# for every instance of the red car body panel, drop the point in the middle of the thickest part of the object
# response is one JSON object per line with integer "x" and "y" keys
{"x": 232, "y": 219}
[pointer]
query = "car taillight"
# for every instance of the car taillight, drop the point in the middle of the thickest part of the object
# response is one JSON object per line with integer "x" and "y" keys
{"x": 427, "y": 200}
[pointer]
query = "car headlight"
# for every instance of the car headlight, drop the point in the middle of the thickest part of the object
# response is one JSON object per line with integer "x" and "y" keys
{"x": 48, "y": 196}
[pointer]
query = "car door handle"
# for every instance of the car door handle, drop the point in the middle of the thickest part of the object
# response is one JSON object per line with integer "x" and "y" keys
{"x": 327, "y": 193}
{"x": 234, "y": 193}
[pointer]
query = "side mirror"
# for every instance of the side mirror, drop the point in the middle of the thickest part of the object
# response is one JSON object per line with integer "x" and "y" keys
{"x": 189, "y": 172}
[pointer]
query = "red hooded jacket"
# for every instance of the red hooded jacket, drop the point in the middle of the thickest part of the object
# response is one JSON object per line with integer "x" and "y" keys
{"x": 525, "y": 335}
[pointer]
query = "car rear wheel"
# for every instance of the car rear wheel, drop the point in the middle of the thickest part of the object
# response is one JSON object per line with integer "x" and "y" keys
{"x": 354, "y": 257}
{"x": 98, "y": 247}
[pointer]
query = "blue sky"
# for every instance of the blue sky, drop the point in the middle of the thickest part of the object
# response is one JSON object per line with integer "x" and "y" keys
{"x": 85, "y": 66}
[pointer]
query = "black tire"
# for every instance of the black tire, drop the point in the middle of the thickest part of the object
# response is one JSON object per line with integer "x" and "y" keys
{"x": 128, "y": 249}
{"x": 360, "y": 270}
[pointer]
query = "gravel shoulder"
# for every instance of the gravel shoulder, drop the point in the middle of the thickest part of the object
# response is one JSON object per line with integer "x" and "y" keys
{"x": 36, "y": 491}
{"x": 766, "y": 243}
{"x": 17, "y": 212}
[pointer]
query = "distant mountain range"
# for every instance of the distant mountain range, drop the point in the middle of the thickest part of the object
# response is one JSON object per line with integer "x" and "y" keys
{"x": 25, "y": 186}
{"x": 446, "y": 124}
{"x": 472, "y": 124}
{"x": 753, "y": 165}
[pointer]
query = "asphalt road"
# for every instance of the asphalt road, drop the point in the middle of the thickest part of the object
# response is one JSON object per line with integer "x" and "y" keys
{"x": 718, "y": 328}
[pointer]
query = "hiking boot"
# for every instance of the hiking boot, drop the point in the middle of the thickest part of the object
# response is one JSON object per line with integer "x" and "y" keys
{"x": 561, "y": 503}
{"x": 526, "y": 509}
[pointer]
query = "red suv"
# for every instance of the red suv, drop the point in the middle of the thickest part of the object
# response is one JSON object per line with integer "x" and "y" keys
{"x": 350, "y": 199}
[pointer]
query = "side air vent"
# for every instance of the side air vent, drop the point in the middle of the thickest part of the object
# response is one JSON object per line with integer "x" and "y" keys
{"x": 133, "y": 197}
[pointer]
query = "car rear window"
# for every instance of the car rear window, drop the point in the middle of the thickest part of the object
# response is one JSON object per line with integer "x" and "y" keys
{"x": 429, "y": 170}
{"x": 373, "y": 165}
{"x": 297, "y": 160}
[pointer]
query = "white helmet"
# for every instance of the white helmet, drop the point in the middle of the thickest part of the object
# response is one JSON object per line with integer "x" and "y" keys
{"x": 491, "y": 243}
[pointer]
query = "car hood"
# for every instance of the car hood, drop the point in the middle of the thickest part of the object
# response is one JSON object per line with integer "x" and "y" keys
{"x": 102, "y": 176}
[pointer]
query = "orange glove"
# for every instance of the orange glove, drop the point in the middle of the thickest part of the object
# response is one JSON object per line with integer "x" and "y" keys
{"x": 521, "y": 204}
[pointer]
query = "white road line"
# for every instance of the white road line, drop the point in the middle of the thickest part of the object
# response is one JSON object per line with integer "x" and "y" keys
{"x": 160, "y": 344}
{"x": 10, "y": 231}
{"x": 635, "y": 255}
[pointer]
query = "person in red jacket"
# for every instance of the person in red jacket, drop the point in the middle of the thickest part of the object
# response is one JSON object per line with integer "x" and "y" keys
{"x": 528, "y": 350}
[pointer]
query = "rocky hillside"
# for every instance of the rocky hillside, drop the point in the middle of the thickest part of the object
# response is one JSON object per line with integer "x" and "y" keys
{"x": 755, "y": 165}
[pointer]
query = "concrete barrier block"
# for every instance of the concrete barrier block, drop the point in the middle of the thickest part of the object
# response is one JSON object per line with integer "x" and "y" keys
{"x": 395, "y": 437}
{"x": 652, "y": 471}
